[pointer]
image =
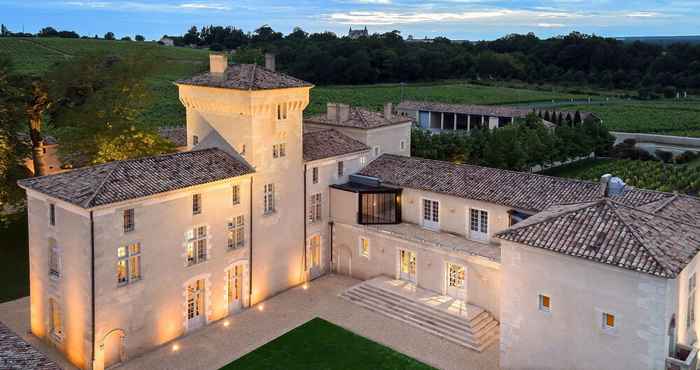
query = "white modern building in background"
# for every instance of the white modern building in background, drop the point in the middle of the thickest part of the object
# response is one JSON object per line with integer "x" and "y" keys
{"x": 561, "y": 274}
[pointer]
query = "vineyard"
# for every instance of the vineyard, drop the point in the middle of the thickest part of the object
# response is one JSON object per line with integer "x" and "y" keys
{"x": 666, "y": 117}
{"x": 653, "y": 175}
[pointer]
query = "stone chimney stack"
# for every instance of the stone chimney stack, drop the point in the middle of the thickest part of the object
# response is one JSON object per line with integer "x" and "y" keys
{"x": 388, "y": 110}
{"x": 343, "y": 112}
{"x": 218, "y": 63}
{"x": 337, "y": 112}
{"x": 270, "y": 61}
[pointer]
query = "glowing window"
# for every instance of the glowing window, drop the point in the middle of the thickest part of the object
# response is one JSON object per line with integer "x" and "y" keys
{"x": 545, "y": 303}
{"x": 364, "y": 247}
{"x": 608, "y": 320}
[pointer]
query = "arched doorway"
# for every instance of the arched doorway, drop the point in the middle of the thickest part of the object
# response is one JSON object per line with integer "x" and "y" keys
{"x": 113, "y": 347}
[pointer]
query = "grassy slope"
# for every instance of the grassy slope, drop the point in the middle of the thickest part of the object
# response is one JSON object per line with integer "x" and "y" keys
{"x": 319, "y": 344}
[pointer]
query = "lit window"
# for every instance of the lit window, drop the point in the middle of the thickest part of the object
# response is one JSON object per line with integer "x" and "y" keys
{"x": 236, "y": 194}
{"x": 196, "y": 245}
{"x": 56, "y": 323}
{"x": 364, "y": 247}
{"x": 236, "y": 233}
{"x": 608, "y": 320}
{"x": 315, "y": 251}
{"x": 314, "y": 175}
{"x": 52, "y": 214}
{"x": 128, "y": 220}
{"x": 315, "y": 207}
{"x": 128, "y": 264}
{"x": 691, "y": 301}
{"x": 196, "y": 204}
{"x": 545, "y": 303}
{"x": 279, "y": 150}
{"x": 269, "y": 199}
{"x": 341, "y": 168}
{"x": 54, "y": 259}
{"x": 195, "y": 139}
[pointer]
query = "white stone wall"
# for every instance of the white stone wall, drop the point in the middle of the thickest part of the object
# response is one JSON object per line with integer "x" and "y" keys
{"x": 571, "y": 335}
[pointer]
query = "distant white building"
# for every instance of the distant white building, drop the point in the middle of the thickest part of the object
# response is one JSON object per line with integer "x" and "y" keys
{"x": 167, "y": 41}
{"x": 356, "y": 34}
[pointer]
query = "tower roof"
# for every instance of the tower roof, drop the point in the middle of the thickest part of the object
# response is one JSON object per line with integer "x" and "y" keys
{"x": 245, "y": 77}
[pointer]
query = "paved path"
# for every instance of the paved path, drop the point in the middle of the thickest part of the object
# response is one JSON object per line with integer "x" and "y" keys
{"x": 216, "y": 345}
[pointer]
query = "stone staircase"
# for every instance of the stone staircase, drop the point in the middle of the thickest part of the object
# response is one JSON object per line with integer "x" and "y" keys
{"x": 477, "y": 332}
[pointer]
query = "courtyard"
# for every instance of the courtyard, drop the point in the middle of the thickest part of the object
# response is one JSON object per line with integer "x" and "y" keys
{"x": 221, "y": 343}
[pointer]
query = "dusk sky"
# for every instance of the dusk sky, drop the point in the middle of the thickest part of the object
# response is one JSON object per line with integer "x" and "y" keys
{"x": 456, "y": 19}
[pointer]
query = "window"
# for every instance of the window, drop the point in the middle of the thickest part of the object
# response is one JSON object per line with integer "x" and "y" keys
{"x": 691, "y": 301}
{"x": 545, "y": 303}
{"x": 281, "y": 111}
{"x": 52, "y": 214}
{"x": 402, "y": 145}
{"x": 195, "y": 139}
{"x": 236, "y": 194}
{"x": 128, "y": 264}
{"x": 314, "y": 175}
{"x": 315, "y": 208}
{"x": 608, "y": 320}
{"x": 478, "y": 224}
{"x": 364, "y": 247}
{"x": 380, "y": 207}
{"x": 377, "y": 151}
{"x": 196, "y": 245}
{"x": 279, "y": 150}
{"x": 341, "y": 168}
{"x": 54, "y": 259}
{"x": 236, "y": 233}
{"x": 128, "y": 220}
{"x": 431, "y": 212}
{"x": 315, "y": 251}
{"x": 269, "y": 199}
{"x": 363, "y": 160}
{"x": 196, "y": 204}
{"x": 56, "y": 322}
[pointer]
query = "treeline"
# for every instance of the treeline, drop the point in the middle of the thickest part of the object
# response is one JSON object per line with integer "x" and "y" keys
{"x": 65, "y": 34}
{"x": 576, "y": 59}
{"x": 521, "y": 146}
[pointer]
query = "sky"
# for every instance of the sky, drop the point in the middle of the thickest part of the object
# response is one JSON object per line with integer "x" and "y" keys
{"x": 455, "y": 19}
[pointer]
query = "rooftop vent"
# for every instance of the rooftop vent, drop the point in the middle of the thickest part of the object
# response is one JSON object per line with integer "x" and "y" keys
{"x": 337, "y": 112}
{"x": 218, "y": 63}
{"x": 270, "y": 61}
{"x": 388, "y": 110}
{"x": 616, "y": 187}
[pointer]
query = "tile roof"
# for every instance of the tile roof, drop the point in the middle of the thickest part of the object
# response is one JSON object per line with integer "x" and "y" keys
{"x": 245, "y": 77}
{"x": 130, "y": 179}
{"x": 682, "y": 208}
{"x": 319, "y": 144}
{"x": 487, "y": 110}
{"x": 359, "y": 118}
{"x": 175, "y": 134}
{"x": 521, "y": 190}
{"x": 16, "y": 353}
{"x": 610, "y": 232}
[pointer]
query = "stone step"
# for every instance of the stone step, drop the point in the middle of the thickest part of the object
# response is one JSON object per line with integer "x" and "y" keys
{"x": 474, "y": 328}
{"x": 475, "y": 325}
{"x": 478, "y": 333}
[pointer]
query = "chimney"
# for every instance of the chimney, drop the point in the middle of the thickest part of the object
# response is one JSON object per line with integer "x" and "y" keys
{"x": 388, "y": 110}
{"x": 332, "y": 111}
{"x": 270, "y": 61}
{"x": 218, "y": 63}
{"x": 343, "y": 112}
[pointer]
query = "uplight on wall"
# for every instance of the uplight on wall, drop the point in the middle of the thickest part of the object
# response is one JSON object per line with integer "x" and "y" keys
{"x": 176, "y": 347}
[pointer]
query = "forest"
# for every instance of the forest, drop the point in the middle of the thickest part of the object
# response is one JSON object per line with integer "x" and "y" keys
{"x": 576, "y": 59}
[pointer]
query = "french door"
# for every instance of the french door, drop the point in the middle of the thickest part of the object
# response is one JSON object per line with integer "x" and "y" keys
{"x": 407, "y": 265}
{"x": 195, "y": 305}
{"x": 456, "y": 281}
{"x": 234, "y": 288}
{"x": 314, "y": 256}
{"x": 431, "y": 214}
{"x": 478, "y": 224}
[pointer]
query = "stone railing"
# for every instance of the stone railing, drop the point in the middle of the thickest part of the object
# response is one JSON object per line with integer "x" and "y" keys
{"x": 686, "y": 358}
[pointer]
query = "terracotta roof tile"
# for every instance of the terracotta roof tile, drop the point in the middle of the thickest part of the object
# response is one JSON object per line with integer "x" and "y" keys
{"x": 359, "y": 118}
{"x": 16, "y": 353}
{"x": 176, "y": 134}
{"x": 246, "y": 77}
{"x": 319, "y": 144}
{"x": 124, "y": 180}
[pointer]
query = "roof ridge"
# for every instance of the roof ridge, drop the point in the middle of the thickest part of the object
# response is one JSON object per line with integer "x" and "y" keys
{"x": 362, "y": 117}
{"x": 666, "y": 202}
{"x": 88, "y": 201}
{"x": 650, "y": 213}
{"x": 554, "y": 215}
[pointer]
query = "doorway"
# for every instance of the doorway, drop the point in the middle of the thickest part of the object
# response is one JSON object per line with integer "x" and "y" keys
{"x": 234, "y": 288}
{"x": 407, "y": 266}
{"x": 314, "y": 256}
{"x": 195, "y": 305}
{"x": 113, "y": 347}
{"x": 456, "y": 281}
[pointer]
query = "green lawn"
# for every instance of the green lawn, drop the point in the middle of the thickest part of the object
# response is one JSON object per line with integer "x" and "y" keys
{"x": 318, "y": 344}
{"x": 14, "y": 259}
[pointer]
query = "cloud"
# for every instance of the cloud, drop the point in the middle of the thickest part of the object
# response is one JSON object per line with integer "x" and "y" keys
{"x": 643, "y": 14}
{"x": 387, "y": 18}
{"x": 149, "y": 7}
{"x": 550, "y": 25}
{"x": 211, "y": 6}
{"x": 376, "y": 2}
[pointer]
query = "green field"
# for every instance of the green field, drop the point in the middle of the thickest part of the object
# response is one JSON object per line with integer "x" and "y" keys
{"x": 652, "y": 175}
{"x": 318, "y": 344}
{"x": 667, "y": 117}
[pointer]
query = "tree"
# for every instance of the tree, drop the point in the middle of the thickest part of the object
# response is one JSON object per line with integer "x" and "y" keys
{"x": 126, "y": 38}
{"x": 37, "y": 104}
{"x": 109, "y": 36}
{"x": 139, "y": 38}
{"x": 12, "y": 150}
{"x": 48, "y": 32}
{"x": 4, "y": 32}
{"x": 191, "y": 37}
